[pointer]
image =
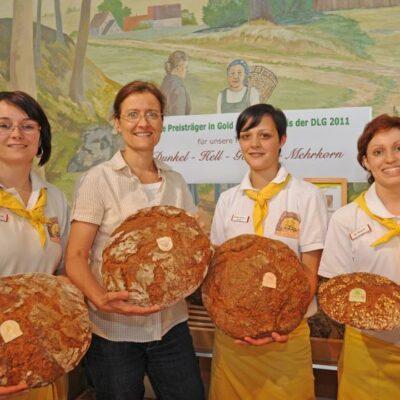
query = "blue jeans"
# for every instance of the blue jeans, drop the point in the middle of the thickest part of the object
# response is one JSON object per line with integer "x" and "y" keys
{"x": 116, "y": 369}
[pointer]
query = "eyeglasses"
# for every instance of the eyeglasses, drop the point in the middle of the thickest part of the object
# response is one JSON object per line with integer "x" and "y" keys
{"x": 27, "y": 127}
{"x": 134, "y": 116}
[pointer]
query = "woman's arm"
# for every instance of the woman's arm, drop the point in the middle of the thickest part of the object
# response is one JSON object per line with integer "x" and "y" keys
{"x": 310, "y": 260}
{"x": 78, "y": 270}
{"x": 8, "y": 392}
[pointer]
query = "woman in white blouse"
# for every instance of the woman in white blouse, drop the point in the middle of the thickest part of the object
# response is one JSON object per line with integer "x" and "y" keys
{"x": 130, "y": 341}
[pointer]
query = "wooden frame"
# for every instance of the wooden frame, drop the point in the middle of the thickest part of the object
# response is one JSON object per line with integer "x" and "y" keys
{"x": 334, "y": 189}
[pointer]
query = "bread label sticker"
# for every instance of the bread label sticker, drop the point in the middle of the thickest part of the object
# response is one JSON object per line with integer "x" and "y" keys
{"x": 357, "y": 295}
{"x": 269, "y": 280}
{"x": 10, "y": 330}
{"x": 359, "y": 232}
{"x": 164, "y": 243}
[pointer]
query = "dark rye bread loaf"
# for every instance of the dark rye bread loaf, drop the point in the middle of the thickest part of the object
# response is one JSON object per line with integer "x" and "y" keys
{"x": 159, "y": 255}
{"x": 44, "y": 329}
{"x": 255, "y": 286}
{"x": 362, "y": 300}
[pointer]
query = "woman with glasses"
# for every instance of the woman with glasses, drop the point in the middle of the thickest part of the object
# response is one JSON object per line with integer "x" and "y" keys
{"x": 364, "y": 236}
{"x": 268, "y": 202}
{"x": 130, "y": 341}
{"x": 33, "y": 213}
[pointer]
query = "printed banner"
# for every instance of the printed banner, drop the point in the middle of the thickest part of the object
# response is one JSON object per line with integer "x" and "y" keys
{"x": 320, "y": 143}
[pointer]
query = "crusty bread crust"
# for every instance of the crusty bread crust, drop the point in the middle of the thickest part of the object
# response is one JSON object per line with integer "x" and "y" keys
{"x": 54, "y": 329}
{"x": 237, "y": 292}
{"x": 159, "y": 255}
{"x": 362, "y": 300}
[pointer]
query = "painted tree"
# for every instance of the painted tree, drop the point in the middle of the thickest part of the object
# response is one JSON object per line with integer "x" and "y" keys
{"x": 38, "y": 34}
{"x": 22, "y": 70}
{"x": 59, "y": 26}
{"x": 116, "y": 9}
{"x": 260, "y": 9}
{"x": 224, "y": 13}
{"x": 76, "y": 87}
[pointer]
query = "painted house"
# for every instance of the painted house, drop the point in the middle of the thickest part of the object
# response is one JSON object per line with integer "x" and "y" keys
{"x": 133, "y": 21}
{"x": 167, "y": 15}
{"x": 103, "y": 23}
{"x": 331, "y": 5}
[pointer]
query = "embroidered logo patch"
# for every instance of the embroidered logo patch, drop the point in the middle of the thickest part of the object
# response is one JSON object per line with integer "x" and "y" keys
{"x": 288, "y": 225}
{"x": 53, "y": 227}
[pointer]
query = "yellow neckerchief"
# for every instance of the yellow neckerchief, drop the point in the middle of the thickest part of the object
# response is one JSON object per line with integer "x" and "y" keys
{"x": 261, "y": 198}
{"x": 389, "y": 223}
{"x": 35, "y": 216}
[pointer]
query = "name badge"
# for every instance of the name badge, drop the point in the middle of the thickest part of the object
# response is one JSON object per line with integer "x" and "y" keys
{"x": 359, "y": 232}
{"x": 240, "y": 218}
{"x": 4, "y": 217}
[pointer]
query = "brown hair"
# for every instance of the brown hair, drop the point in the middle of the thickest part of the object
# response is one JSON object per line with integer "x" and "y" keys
{"x": 174, "y": 60}
{"x": 382, "y": 123}
{"x": 137, "y": 87}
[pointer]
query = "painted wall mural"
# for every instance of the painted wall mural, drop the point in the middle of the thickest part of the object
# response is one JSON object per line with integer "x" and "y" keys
{"x": 209, "y": 56}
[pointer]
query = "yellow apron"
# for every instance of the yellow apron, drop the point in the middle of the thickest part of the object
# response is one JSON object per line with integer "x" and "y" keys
{"x": 275, "y": 371}
{"x": 58, "y": 390}
{"x": 368, "y": 369}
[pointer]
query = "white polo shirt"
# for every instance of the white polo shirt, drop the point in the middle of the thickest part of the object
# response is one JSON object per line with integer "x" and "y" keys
{"x": 20, "y": 247}
{"x": 106, "y": 195}
{"x": 343, "y": 255}
{"x": 299, "y": 200}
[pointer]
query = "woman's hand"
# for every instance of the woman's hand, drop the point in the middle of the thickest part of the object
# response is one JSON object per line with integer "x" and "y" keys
{"x": 275, "y": 337}
{"x": 117, "y": 302}
{"x": 8, "y": 392}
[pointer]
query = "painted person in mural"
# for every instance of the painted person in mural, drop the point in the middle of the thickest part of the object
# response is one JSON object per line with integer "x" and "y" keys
{"x": 238, "y": 95}
{"x": 177, "y": 97}
{"x": 254, "y": 368}
{"x": 130, "y": 341}
{"x": 28, "y": 244}
{"x": 173, "y": 85}
{"x": 369, "y": 364}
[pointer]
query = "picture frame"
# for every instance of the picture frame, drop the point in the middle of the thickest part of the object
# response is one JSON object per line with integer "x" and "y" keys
{"x": 334, "y": 190}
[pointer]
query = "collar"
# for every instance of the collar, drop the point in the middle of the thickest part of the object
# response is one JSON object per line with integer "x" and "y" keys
{"x": 279, "y": 178}
{"x": 375, "y": 204}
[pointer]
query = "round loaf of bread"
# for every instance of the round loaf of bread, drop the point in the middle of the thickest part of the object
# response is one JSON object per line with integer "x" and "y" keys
{"x": 255, "y": 286}
{"x": 44, "y": 329}
{"x": 160, "y": 255}
{"x": 362, "y": 300}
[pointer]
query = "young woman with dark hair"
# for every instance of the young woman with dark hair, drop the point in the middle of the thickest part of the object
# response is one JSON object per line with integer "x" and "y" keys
{"x": 272, "y": 203}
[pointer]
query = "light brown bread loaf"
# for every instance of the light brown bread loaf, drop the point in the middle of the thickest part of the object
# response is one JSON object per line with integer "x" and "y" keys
{"x": 44, "y": 329}
{"x": 160, "y": 255}
{"x": 255, "y": 286}
{"x": 362, "y": 300}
